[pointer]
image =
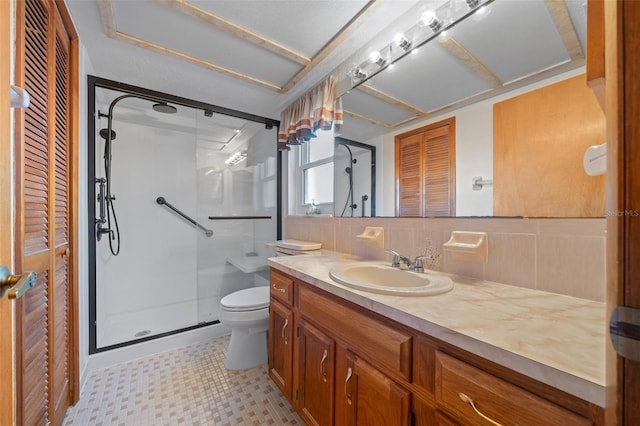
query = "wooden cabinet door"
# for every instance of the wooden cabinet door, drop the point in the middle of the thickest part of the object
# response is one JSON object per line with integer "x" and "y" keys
{"x": 316, "y": 358}
{"x": 281, "y": 346}
{"x": 374, "y": 399}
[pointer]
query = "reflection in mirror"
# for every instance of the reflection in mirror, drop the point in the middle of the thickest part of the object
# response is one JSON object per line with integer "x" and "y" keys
{"x": 310, "y": 176}
{"x": 354, "y": 179}
{"x": 465, "y": 74}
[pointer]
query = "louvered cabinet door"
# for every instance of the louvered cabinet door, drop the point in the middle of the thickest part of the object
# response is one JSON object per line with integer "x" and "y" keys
{"x": 42, "y": 215}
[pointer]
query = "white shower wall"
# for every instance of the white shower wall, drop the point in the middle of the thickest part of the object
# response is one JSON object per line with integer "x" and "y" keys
{"x": 151, "y": 284}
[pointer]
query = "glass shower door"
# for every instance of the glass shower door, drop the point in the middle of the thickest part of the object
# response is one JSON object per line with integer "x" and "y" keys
{"x": 236, "y": 196}
{"x": 146, "y": 264}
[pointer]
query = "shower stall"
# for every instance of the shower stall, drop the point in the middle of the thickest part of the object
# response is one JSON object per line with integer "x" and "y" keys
{"x": 354, "y": 179}
{"x": 184, "y": 196}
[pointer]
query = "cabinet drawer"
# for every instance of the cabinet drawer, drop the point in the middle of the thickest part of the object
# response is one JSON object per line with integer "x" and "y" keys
{"x": 378, "y": 341}
{"x": 496, "y": 399}
{"x": 281, "y": 287}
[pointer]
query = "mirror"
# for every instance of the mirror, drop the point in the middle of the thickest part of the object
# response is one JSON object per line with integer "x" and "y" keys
{"x": 354, "y": 165}
{"x": 479, "y": 71}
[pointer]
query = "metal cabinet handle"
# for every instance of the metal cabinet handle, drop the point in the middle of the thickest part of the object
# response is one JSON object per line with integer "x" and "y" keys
{"x": 276, "y": 288}
{"x": 284, "y": 336}
{"x": 470, "y": 401}
{"x": 349, "y": 374}
{"x": 323, "y": 372}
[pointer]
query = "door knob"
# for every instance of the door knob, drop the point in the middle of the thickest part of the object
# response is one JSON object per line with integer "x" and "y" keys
{"x": 15, "y": 285}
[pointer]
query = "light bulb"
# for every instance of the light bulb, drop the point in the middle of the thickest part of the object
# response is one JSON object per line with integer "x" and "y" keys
{"x": 376, "y": 58}
{"x": 429, "y": 18}
{"x": 402, "y": 41}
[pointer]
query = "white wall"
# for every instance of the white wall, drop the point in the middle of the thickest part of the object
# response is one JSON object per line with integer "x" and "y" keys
{"x": 85, "y": 68}
{"x": 156, "y": 266}
{"x": 474, "y": 152}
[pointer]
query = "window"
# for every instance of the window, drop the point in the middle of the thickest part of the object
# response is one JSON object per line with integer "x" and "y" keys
{"x": 311, "y": 174}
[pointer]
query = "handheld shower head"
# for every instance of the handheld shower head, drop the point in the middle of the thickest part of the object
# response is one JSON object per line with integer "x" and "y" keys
{"x": 104, "y": 134}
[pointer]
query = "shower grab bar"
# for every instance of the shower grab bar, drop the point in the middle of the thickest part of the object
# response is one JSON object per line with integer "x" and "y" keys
{"x": 238, "y": 217}
{"x": 163, "y": 202}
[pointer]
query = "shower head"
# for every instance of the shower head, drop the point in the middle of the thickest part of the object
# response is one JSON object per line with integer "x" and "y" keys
{"x": 105, "y": 132}
{"x": 164, "y": 108}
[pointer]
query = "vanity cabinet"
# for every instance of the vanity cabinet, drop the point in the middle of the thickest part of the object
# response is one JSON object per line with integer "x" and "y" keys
{"x": 473, "y": 397}
{"x": 315, "y": 387}
{"x": 281, "y": 325}
{"x": 341, "y": 364}
{"x": 372, "y": 397}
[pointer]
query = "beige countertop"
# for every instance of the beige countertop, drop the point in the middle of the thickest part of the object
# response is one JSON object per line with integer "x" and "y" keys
{"x": 555, "y": 339}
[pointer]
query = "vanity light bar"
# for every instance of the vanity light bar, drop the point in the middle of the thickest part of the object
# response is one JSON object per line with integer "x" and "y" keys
{"x": 427, "y": 28}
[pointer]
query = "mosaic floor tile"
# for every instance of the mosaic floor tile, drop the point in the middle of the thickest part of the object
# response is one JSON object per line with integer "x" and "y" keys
{"x": 183, "y": 386}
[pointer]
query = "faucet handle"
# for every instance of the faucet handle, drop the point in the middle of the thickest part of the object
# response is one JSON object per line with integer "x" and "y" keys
{"x": 395, "y": 262}
{"x": 417, "y": 265}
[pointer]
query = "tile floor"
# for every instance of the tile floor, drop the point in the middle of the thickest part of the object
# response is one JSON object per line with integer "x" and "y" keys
{"x": 183, "y": 386}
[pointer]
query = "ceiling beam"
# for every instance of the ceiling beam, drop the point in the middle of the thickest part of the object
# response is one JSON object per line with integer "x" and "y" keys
{"x": 560, "y": 14}
{"x": 470, "y": 61}
{"x": 108, "y": 22}
{"x": 332, "y": 44}
{"x": 106, "y": 15}
{"x": 235, "y": 30}
{"x": 197, "y": 61}
{"x": 370, "y": 90}
{"x": 368, "y": 119}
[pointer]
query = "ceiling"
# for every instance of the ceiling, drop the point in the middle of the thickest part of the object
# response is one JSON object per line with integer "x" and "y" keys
{"x": 259, "y": 56}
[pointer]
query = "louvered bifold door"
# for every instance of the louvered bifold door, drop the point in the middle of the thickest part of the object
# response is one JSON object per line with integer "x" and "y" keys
{"x": 425, "y": 171}
{"x": 437, "y": 189}
{"x": 42, "y": 321}
{"x": 59, "y": 327}
{"x": 409, "y": 176}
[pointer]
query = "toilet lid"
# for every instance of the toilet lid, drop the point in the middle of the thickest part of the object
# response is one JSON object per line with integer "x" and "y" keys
{"x": 249, "y": 299}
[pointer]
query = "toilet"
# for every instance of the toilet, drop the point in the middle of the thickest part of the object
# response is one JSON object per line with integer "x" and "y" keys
{"x": 246, "y": 312}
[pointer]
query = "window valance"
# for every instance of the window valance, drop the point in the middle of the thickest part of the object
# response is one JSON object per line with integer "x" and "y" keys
{"x": 318, "y": 109}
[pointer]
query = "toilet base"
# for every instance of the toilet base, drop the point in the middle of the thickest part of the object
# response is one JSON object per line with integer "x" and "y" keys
{"x": 247, "y": 349}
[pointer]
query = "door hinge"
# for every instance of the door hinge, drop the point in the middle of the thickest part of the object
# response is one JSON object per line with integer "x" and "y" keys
{"x": 624, "y": 332}
{"x": 297, "y": 331}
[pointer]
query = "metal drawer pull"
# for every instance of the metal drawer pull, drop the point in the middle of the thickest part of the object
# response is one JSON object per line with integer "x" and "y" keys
{"x": 281, "y": 290}
{"x": 349, "y": 373}
{"x": 284, "y": 337}
{"x": 469, "y": 401}
{"x": 323, "y": 373}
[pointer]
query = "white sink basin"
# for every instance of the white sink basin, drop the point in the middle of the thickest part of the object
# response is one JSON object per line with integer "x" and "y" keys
{"x": 382, "y": 278}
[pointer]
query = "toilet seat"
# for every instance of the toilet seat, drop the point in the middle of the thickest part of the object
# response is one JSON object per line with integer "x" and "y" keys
{"x": 249, "y": 299}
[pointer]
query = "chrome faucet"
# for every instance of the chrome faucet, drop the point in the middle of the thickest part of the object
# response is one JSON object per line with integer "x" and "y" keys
{"x": 397, "y": 258}
{"x": 415, "y": 266}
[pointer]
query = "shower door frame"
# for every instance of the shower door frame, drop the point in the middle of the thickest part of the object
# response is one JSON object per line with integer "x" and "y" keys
{"x": 94, "y": 83}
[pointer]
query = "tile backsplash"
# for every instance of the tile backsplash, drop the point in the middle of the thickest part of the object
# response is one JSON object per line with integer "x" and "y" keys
{"x": 565, "y": 256}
